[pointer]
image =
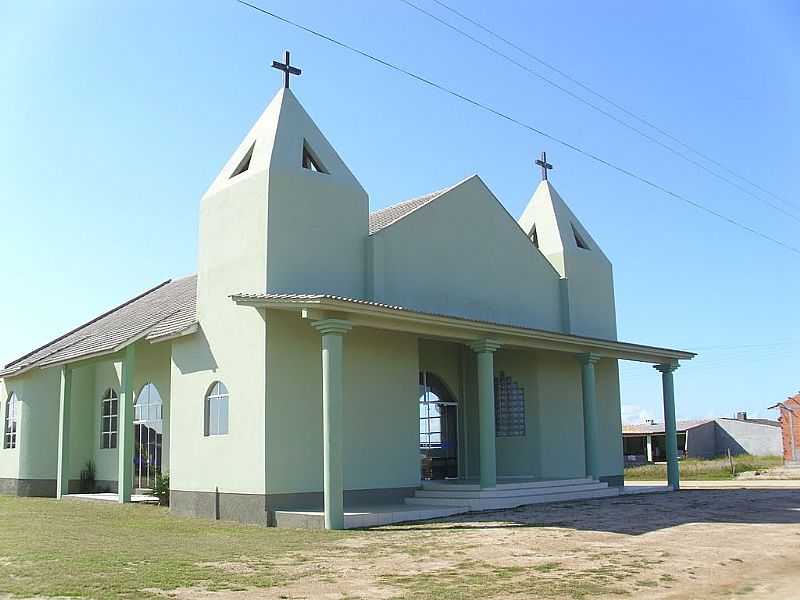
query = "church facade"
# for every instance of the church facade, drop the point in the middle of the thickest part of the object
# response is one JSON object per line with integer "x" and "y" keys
{"x": 324, "y": 356}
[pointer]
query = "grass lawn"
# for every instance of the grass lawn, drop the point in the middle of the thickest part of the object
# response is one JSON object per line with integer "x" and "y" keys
{"x": 698, "y": 469}
{"x": 99, "y": 550}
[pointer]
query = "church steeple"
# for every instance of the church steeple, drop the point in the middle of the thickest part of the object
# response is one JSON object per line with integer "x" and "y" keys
{"x": 285, "y": 214}
{"x": 554, "y": 228}
{"x": 587, "y": 277}
{"x": 286, "y": 136}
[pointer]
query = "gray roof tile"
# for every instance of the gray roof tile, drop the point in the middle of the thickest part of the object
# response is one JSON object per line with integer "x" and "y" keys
{"x": 165, "y": 310}
{"x": 380, "y": 219}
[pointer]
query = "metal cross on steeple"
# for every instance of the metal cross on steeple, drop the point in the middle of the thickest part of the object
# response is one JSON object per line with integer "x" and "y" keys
{"x": 287, "y": 69}
{"x": 546, "y": 166}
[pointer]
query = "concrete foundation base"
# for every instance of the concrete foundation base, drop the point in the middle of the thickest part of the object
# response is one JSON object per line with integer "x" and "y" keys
{"x": 261, "y": 509}
{"x": 38, "y": 488}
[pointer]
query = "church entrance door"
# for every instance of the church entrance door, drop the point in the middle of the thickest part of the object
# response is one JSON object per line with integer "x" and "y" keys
{"x": 438, "y": 428}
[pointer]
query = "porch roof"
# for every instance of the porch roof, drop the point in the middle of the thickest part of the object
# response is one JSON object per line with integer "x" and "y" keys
{"x": 453, "y": 327}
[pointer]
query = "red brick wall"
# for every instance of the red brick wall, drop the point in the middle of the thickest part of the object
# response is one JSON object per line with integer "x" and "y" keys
{"x": 787, "y": 420}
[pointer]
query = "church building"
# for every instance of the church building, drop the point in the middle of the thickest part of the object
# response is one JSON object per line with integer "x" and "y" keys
{"x": 332, "y": 366}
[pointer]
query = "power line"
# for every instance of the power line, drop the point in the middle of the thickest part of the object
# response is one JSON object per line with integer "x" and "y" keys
{"x": 506, "y": 117}
{"x": 609, "y": 101}
{"x": 599, "y": 109}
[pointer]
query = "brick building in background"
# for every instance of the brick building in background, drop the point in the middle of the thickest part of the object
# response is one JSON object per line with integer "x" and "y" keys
{"x": 790, "y": 425}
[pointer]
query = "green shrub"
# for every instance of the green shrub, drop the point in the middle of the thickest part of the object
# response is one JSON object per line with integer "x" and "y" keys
{"x": 161, "y": 488}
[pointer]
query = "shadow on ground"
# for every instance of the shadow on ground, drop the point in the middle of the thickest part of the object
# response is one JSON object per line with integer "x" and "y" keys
{"x": 636, "y": 515}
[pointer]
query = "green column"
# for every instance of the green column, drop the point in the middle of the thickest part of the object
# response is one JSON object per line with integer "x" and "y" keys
{"x": 485, "y": 349}
{"x": 64, "y": 409}
{"x": 332, "y": 331}
{"x": 589, "y": 388}
{"x": 125, "y": 427}
{"x": 670, "y": 428}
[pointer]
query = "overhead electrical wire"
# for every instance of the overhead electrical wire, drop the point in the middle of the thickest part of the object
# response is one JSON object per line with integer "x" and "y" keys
{"x": 599, "y": 109}
{"x": 616, "y": 105}
{"x": 509, "y": 118}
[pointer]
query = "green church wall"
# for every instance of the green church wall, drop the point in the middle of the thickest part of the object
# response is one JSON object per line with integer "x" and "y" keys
{"x": 234, "y": 462}
{"x": 591, "y": 295}
{"x": 381, "y": 419}
{"x": 82, "y": 414}
{"x": 609, "y": 418}
{"x": 419, "y": 262}
{"x": 558, "y": 390}
{"x": 381, "y": 414}
{"x": 38, "y": 427}
{"x": 518, "y": 456}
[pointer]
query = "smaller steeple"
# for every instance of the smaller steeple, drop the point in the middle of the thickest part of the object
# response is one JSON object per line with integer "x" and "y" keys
{"x": 554, "y": 228}
{"x": 587, "y": 277}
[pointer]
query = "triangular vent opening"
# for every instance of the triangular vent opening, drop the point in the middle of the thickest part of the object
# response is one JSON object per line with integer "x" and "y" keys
{"x": 534, "y": 237}
{"x": 244, "y": 164}
{"x": 311, "y": 161}
{"x": 578, "y": 239}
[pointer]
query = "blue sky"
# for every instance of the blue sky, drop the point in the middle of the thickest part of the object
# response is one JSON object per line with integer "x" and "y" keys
{"x": 115, "y": 117}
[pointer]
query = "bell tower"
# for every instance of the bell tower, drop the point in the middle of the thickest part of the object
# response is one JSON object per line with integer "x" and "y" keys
{"x": 284, "y": 214}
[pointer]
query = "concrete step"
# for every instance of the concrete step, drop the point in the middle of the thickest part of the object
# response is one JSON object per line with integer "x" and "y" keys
{"x": 507, "y": 484}
{"x": 477, "y": 504}
{"x": 456, "y": 492}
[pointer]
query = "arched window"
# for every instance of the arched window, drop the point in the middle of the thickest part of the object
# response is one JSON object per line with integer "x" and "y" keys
{"x": 10, "y": 422}
{"x": 436, "y": 430}
{"x": 216, "y": 419}
{"x": 108, "y": 420}
{"x": 148, "y": 431}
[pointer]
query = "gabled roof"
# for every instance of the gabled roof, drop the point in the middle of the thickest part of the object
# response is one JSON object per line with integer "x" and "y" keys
{"x": 164, "y": 311}
{"x": 769, "y": 422}
{"x": 380, "y": 219}
{"x": 645, "y": 428}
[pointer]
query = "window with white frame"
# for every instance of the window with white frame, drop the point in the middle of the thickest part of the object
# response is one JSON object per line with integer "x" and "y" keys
{"x": 10, "y": 422}
{"x": 108, "y": 421}
{"x": 216, "y": 409}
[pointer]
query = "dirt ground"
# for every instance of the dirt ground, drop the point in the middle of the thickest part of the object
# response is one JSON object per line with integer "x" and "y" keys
{"x": 726, "y": 543}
